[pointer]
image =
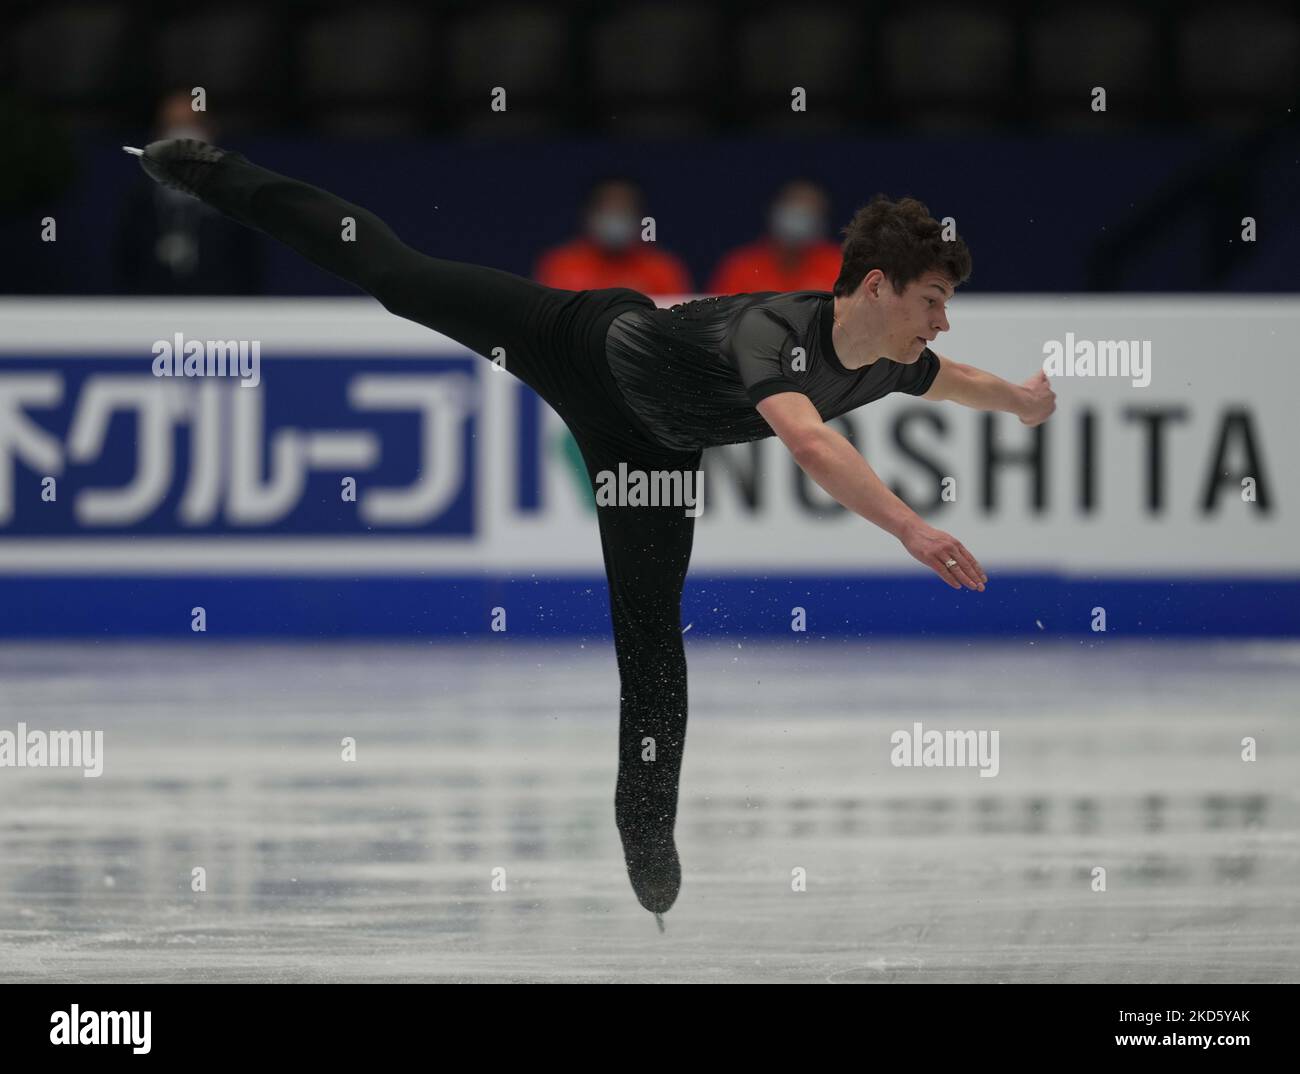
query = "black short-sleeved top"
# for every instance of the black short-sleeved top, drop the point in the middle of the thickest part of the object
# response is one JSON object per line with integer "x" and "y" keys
{"x": 695, "y": 372}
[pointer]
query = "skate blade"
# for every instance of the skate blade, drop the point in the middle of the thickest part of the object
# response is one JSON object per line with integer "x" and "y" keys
{"x": 132, "y": 150}
{"x": 659, "y": 920}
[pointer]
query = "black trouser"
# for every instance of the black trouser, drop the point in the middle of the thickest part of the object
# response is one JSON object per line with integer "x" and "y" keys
{"x": 553, "y": 341}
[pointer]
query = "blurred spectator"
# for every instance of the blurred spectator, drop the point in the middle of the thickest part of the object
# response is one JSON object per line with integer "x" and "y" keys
{"x": 611, "y": 252}
{"x": 168, "y": 243}
{"x": 795, "y": 255}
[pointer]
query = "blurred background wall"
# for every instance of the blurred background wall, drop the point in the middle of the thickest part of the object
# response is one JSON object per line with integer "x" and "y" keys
{"x": 683, "y": 112}
{"x": 984, "y": 111}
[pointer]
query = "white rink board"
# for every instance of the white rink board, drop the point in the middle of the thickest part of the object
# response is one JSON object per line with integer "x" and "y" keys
{"x": 1210, "y": 356}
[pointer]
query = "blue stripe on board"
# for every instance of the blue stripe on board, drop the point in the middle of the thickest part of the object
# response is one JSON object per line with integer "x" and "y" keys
{"x": 715, "y": 606}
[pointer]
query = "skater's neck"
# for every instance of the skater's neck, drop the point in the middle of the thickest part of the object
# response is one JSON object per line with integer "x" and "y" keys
{"x": 855, "y": 338}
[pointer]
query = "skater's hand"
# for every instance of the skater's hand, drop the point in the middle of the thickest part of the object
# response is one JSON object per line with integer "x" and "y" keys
{"x": 935, "y": 548}
{"x": 1038, "y": 399}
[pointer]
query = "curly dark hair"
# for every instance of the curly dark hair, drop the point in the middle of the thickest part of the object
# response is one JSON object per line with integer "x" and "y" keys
{"x": 901, "y": 239}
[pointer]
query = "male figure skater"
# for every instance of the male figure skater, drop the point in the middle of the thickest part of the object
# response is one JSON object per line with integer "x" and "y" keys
{"x": 651, "y": 388}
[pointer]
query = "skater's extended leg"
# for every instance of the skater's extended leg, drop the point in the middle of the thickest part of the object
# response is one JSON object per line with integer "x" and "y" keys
{"x": 541, "y": 334}
{"x": 647, "y": 551}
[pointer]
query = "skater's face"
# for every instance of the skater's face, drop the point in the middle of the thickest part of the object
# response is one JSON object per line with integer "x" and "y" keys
{"x": 913, "y": 317}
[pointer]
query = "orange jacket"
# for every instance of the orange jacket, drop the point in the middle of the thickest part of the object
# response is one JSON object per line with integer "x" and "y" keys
{"x": 756, "y": 267}
{"x": 581, "y": 265}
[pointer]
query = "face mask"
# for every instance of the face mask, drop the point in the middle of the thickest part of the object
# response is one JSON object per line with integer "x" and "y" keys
{"x": 796, "y": 224}
{"x": 614, "y": 230}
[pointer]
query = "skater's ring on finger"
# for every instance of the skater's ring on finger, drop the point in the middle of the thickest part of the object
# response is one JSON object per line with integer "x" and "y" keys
{"x": 950, "y": 563}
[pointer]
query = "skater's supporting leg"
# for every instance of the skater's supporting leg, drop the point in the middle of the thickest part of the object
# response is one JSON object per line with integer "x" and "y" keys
{"x": 555, "y": 342}
{"x": 647, "y": 551}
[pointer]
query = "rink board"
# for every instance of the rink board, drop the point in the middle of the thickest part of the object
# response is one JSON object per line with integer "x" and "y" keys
{"x": 127, "y": 499}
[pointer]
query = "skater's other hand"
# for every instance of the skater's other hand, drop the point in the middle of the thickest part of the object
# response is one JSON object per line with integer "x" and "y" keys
{"x": 935, "y": 548}
{"x": 1038, "y": 400}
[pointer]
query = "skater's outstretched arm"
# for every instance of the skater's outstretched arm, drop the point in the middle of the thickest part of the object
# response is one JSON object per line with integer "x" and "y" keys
{"x": 342, "y": 238}
{"x": 828, "y": 458}
{"x": 1032, "y": 402}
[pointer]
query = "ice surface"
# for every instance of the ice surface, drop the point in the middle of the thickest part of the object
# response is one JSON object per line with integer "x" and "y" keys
{"x": 474, "y": 757}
